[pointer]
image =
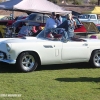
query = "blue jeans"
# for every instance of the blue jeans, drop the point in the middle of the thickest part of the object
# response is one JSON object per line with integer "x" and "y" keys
{"x": 70, "y": 34}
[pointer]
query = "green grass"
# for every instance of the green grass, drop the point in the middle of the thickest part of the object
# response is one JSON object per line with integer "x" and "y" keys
{"x": 55, "y": 82}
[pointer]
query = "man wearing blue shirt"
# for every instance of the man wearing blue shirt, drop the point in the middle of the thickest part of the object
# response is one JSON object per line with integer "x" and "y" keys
{"x": 51, "y": 22}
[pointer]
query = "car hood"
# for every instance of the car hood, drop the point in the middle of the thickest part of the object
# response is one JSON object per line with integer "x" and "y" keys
{"x": 90, "y": 27}
{"x": 4, "y": 39}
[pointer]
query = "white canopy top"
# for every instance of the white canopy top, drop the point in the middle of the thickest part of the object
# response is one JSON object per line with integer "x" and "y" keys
{"x": 41, "y": 6}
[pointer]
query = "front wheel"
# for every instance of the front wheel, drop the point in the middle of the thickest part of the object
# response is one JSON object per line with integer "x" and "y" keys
{"x": 95, "y": 59}
{"x": 27, "y": 62}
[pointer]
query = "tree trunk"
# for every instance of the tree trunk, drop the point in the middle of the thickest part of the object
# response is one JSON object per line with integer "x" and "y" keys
{"x": 98, "y": 2}
{"x": 74, "y": 2}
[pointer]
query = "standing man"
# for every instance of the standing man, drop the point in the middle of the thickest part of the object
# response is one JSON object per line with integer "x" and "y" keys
{"x": 51, "y": 22}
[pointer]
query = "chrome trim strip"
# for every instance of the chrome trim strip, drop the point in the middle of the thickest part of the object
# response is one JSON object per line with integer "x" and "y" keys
{"x": 48, "y": 46}
{"x": 9, "y": 61}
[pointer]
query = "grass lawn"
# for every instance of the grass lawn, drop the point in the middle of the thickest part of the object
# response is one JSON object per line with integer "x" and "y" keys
{"x": 54, "y": 82}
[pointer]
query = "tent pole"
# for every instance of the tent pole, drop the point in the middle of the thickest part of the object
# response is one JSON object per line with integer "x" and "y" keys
{"x": 12, "y": 15}
{"x": 43, "y": 18}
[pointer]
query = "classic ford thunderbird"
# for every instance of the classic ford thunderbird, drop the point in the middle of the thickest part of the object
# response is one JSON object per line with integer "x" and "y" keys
{"x": 51, "y": 46}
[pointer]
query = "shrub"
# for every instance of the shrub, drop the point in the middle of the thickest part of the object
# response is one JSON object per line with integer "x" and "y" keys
{"x": 77, "y": 2}
{"x": 93, "y": 2}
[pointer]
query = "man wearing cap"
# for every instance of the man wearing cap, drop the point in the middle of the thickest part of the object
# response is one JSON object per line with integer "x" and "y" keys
{"x": 51, "y": 22}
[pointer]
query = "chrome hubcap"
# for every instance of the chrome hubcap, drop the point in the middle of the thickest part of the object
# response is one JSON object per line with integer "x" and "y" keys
{"x": 28, "y": 62}
{"x": 97, "y": 59}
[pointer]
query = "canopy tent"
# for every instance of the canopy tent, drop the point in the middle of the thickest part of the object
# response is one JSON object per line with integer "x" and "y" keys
{"x": 9, "y": 4}
{"x": 95, "y": 10}
{"x": 41, "y": 6}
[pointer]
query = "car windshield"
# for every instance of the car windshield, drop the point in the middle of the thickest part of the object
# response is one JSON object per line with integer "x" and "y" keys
{"x": 77, "y": 21}
{"x": 84, "y": 16}
{"x": 53, "y": 34}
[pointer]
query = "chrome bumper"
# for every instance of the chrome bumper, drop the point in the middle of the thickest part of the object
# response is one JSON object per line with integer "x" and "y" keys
{"x": 8, "y": 61}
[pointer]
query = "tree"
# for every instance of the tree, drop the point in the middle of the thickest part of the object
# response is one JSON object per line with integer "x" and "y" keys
{"x": 98, "y": 2}
{"x": 74, "y": 1}
{"x": 93, "y": 2}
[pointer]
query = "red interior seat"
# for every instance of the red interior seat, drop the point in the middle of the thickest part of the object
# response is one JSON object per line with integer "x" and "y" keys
{"x": 57, "y": 35}
{"x": 93, "y": 36}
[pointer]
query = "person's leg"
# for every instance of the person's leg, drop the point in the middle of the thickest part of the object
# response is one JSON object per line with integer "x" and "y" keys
{"x": 66, "y": 35}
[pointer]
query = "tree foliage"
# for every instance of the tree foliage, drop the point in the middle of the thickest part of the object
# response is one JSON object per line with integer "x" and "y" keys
{"x": 76, "y": 2}
{"x": 93, "y": 2}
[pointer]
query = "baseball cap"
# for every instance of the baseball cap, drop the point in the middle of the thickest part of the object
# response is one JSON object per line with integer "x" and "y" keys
{"x": 53, "y": 13}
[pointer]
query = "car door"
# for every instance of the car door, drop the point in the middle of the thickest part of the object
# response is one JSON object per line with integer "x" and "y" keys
{"x": 51, "y": 52}
{"x": 75, "y": 50}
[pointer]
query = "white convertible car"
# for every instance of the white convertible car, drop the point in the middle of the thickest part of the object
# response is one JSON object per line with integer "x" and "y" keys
{"x": 51, "y": 46}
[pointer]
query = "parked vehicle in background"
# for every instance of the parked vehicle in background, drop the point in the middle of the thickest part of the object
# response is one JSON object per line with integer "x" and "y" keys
{"x": 92, "y": 31}
{"x": 5, "y": 24}
{"x": 8, "y": 21}
{"x": 36, "y": 19}
{"x": 90, "y": 18}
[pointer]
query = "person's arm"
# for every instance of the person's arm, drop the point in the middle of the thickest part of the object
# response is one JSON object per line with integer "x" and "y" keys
{"x": 75, "y": 25}
{"x": 74, "y": 22}
{"x": 60, "y": 19}
{"x": 63, "y": 25}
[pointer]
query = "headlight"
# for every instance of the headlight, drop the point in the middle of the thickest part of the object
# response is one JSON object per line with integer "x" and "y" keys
{"x": 8, "y": 48}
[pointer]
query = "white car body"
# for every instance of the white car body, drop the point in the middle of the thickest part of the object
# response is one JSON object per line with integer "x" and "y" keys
{"x": 49, "y": 51}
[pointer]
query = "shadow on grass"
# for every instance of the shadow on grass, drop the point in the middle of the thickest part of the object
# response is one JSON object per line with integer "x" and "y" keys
{"x": 65, "y": 66}
{"x": 6, "y": 68}
{"x": 97, "y": 88}
{"x": 80, "y": 79}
